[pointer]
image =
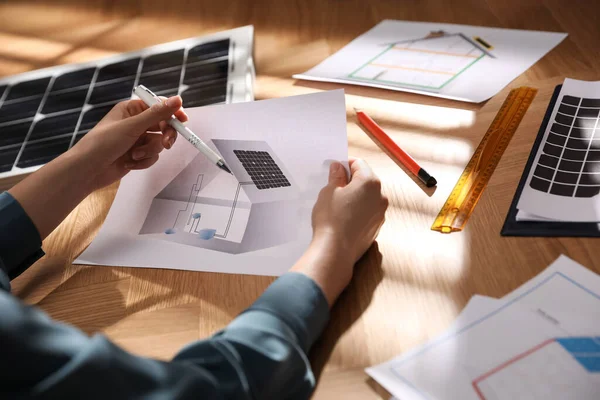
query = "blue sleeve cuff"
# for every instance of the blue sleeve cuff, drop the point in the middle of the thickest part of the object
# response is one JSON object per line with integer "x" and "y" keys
{"x": 296, "y": 300}
{"x": 20, "y": 242}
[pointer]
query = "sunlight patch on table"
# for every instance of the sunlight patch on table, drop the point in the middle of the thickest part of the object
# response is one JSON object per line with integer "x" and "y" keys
{"x": 425, "y": 116}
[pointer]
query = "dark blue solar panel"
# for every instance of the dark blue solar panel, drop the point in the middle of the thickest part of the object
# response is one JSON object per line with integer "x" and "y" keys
{"x": 61, "y": 99}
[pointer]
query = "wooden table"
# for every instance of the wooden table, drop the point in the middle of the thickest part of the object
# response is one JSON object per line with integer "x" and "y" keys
{"x": 414, "y": 282}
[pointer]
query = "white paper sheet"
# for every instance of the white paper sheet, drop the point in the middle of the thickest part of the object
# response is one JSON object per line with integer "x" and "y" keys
{"x": 527, "y": 216}
{"x": 415, "y": 57}
{"x": 185, "y": 213}
{"x": 477, "y": 307}
{"x": 564, "y": 181}
{"x": 516, "y": 351}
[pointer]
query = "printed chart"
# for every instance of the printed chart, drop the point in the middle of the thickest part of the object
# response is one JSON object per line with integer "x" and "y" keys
{"x": 569, "y": 366}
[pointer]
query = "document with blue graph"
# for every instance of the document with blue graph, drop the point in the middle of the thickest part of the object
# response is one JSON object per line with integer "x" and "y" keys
{"x": 542, "y": 341}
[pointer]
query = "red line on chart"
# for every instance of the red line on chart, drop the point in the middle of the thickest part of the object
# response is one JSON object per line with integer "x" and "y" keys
{"x": 505, "y": 364}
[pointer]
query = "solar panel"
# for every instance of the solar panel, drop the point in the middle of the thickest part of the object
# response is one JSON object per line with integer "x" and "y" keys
{"x": 263, "y": 170}
{"x": 570, "y": 161}
{"x": 44, "y": 113}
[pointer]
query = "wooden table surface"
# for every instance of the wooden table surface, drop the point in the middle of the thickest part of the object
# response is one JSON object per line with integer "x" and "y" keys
{"x": 410, "y": 286}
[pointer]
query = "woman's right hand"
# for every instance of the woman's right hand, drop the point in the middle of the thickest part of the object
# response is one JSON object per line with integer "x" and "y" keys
{"x": 346, "y": 219}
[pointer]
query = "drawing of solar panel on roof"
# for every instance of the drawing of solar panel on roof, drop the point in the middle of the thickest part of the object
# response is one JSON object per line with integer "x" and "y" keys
{"x": 428, "y": 63}
{"x": 256, "y": 208}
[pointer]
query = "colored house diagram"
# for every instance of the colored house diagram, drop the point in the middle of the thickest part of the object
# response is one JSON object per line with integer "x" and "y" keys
{"x": 428, "y": 63}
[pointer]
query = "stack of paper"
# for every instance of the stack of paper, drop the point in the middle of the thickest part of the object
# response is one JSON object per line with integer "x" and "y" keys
{"x": 541, "y": 341}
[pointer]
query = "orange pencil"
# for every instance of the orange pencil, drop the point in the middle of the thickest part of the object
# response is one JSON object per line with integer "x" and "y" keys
{"x": 393, "y": 148}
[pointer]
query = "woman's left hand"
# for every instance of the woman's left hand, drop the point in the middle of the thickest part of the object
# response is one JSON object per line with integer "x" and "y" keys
{"x": 129, "y": 137}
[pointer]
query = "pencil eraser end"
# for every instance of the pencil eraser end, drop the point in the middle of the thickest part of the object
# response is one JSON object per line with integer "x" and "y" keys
{"x": 431, "y": 182}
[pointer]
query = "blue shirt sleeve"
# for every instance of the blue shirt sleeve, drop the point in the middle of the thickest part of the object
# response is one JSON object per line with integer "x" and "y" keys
{"x": 20, "y": 242}
{"x": 262, "y": 354}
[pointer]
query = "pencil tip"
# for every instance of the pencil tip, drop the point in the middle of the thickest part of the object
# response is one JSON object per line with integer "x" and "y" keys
{"x": 356, "y": 109}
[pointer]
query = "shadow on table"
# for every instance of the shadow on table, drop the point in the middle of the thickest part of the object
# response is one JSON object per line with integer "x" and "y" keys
{"x": 349, "y": 307}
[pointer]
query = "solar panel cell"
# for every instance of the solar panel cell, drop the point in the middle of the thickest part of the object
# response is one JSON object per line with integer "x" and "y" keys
{"x": 64, "y": 100}
{"x": 19, "y": 110}
{"x": 28, "y": 89}
{"x": 54, "y": 126}
{"x": 42, "y": 152}
{"x": 14, "y": 134}
{"x": 92, "y": 117}
{"x": 127, "y": 68}
{"x": 8, "y": 157}
{"x": 587, "y": 191}
{"x": 172, "y": 59}
{"x": 202, "y": 73}
{"x": 112, "y": 92}
{"x": 161, "y": 82}
{"x": 73, "y": 79}
{"x": 207, "y": 51}
{"x": 204, "y": 95}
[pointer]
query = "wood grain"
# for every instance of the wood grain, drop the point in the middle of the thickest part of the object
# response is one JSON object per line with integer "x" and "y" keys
{"x": 410, "y": 286}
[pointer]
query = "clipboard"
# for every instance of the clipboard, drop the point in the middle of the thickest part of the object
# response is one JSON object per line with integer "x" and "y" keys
{"x": 512, "y": 227}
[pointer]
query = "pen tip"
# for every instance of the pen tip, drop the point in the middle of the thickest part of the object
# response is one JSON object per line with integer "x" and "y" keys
{"x": 225, "y": 168}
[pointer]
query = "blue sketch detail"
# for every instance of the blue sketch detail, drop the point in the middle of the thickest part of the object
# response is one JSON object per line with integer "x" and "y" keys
{"x": 196, "y": 215}
{"x": 169, "y": 231}
{"x": 207, "y": 234}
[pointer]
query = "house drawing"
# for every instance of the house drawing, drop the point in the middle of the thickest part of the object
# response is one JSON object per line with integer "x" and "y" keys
{"x": 255, "y": 208}
{"x": 428, "y": 63}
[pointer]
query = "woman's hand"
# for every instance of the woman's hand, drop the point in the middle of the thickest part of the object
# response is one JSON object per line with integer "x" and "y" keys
{"x": 127, "y": 138}
{"x": 130, "y": 136}
{"x": 349, "y": 214}
{"x": 346, "y": 220}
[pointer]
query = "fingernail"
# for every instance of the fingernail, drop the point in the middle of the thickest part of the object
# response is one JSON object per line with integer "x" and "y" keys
{"x": 171, "y": 142}
{"x": 138, "y": 154}
{"x": 173, "y": 101}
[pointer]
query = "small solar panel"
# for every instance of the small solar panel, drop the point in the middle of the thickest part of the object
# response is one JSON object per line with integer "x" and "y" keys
{"x": 570, "y": 161}
{"x": 43, "y": 116}
{"x": 263, "y": 170}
